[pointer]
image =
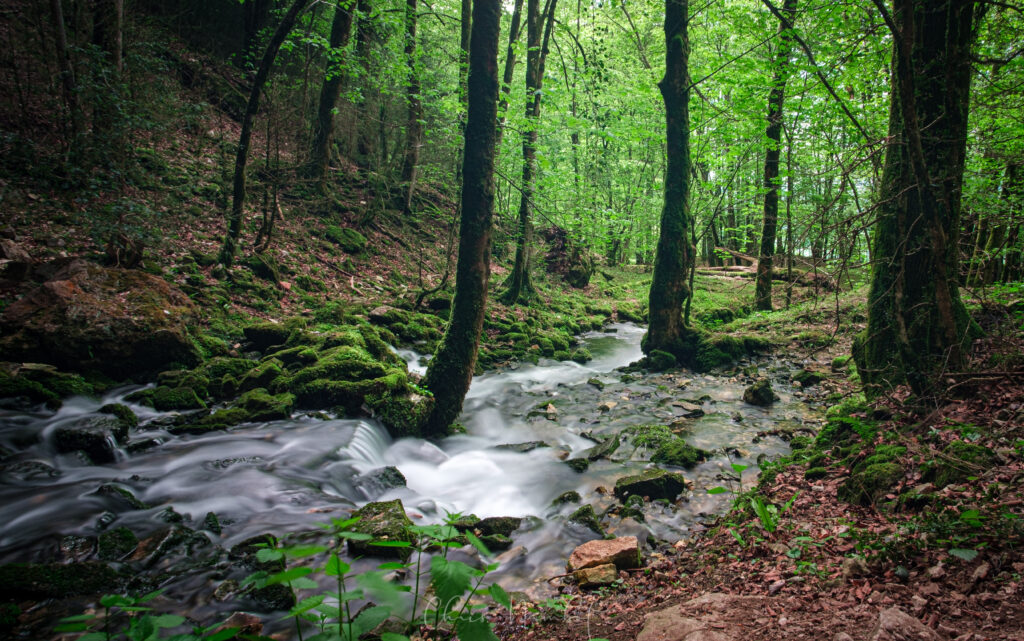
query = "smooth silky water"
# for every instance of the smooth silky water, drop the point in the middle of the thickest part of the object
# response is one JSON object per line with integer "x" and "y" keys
{"x": 289, "y": 476}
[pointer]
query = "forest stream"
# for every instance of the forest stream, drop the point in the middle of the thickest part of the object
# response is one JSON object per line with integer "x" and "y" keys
{"x": 288, "y": 476}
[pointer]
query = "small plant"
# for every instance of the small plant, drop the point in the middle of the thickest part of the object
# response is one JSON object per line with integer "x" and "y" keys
{"x": 142, "y": 624}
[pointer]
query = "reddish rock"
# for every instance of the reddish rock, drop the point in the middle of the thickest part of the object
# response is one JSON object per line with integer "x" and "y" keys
{"x": 623, "y": 552}
{"x": 123, "y": 323}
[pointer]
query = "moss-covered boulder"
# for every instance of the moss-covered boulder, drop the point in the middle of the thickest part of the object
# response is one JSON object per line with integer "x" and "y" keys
{"x": 678, "y": 453}
{"x": 586, "y": 517}
{"x": 19, "y": 581}
{"x": 376, "y": 482}
{"x": 40, "y": 383}
{"x": 265, "y": 375}
{"x": 652, "y": 483}
{"x": 117, "y": 543}
{"x": 122, "y": 413}
{"x": 402, "y": 412}
{"x": 959, "y": 461}
{"x": 263, "y": 336}
{"x": 350, "y": 241}
{"x": 808, "y": 378}
{"x": 260, "y": 405}
{"x": 97, "y": 436}
{"x": 870, "y": 484}
{"x": 168, "y": 399}
{"x": 504, "y": 525}
{"x": 383, "y": 521}
{"x": 120, "y": 322}
{"x": 760, "y": 393}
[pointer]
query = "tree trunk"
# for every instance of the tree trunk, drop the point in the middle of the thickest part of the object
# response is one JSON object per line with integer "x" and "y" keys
{"x": 510, "y": 66}
{"x": 917, "y": 324}
{"x": 228, "y": 251}
{"x": 414, "y": 126}
{"x": 675, "y": 254}
{"x": 519, "y": 286}
{"x": 366, "y": 32}
{"x": 257, "y": 13}
{"x": 451, "y": 370}
{"x": 67, "y": 77}
{"x": 320, "y": 152}
{"x": 776, "y": 97}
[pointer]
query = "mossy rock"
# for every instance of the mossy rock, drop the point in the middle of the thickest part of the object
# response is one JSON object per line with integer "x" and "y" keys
{"x": 959, "y": 461}
{"x": 264, "y": 267}
{"x": 647, "y": 435}
{"x": 94, "y": 435}
{"x": 580, "y": 355}
{"x": 299, "y": 355}
{"x": 350, "y": 241}
{"x": 167, "y": 399}
{"x": 584, "y": 515}
{"x": 122, "y": 413}
{"x": 652, "y": 483}
{"x": 760, "y": 393}
{"x": 117, "y": 543}
{"x": 604, "y": 449}
{"x": 264, "y": 375}
{"x": 383, "y": 521}
{"x": 842, "y": 431}
{"x": 23, "y": 388}
{"x": 572, "y": 496}
{"x": 185, "y": 378}
{"x": 402, "y": 413}
{"x": 679, "y": 453}
{"x": 504, "y": 525}
{"x": 815, "y": 473}
{"x": 869, "y": 485}
{"x": 266, "y": 335}
{"x": 578, "y": 465}
{"x": 220, "y": 366}
{"x": 808, "y": 378}
{"x": 122, "y": 496}
{"x": 20, "y": 581}
{"x": 260, "y": 405}
{"x": 659, "y": 361}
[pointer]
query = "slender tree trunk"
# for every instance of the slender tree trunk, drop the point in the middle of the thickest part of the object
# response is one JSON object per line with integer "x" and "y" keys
{"x": 451, "y": 370}
{"x": 776, "y": 98}
{"x": 917, "y": 324}
{"x": 675, "y": 254}
{"x": 366, "y": 32}
{"x": 230, "y": 247}
{"x": 414, "y": 125}
{"x": 67, "y": 77}
{"x": 519, "y": 285}
{"x": 320, "y": 152}
{"x": 510, "y": 66}
{"x": 465, "y": 24}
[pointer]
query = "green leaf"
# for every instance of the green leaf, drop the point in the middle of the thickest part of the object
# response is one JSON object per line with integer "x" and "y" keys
{"x": 168, "y": 620}
{"x": 223, "y": 635}
{"x": 287, "y": 575}
{"x": 393, "y": 566}
{"x": 391, "y": 544}
{"x": 355, "y": 536}
{"x": 450, "y": 579}
{"x": 391, "y": 636}
{"x": 303, "y": 583}
{"x": 301, "y": 551}
{"x": 474, "y": 628}
{"x": 369, "y": 619}
{"x": 500, "y": 596}
{"x": 116, "y": 601}
{"x": 738, "y": 467}
{"x": 93, "y": 636}
{"x": 477, "y": 543}
{"x": 964, "y": 555}
{"x": 71, "y": 627}
{"x": 717, "y": 490}
{"x": 266, "y": 554}
{"x": 335, "y": 566}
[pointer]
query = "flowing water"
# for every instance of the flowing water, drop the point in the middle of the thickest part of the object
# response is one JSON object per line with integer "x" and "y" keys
{"x": 288, "y": 476}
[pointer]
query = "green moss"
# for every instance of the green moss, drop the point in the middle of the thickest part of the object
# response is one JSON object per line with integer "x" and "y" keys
{"x": 869, "y": 485}
{"x": 679, "y": 453}
{"x": 660, "y": 360}
{"x": 383, "y": 521}
{"x": 265, "y": 335}
{"x": 585, "y": 516}
{"x": 167, "y": 399}
{"x": 959, "y": 461}
{"x": 264, "y": 375}
{"x": 580, "y": 355}
{"x": 218, "y": 367}
{"x": 263, "y": 266}
{"x": 115, "y": 544}
{"x": 404, "y": 414}
{"x": 808, "y": 378}
{"x": 17, "y": 386}
{"x": 122, "y": 412}
{"x": 263, "y": 406}
{"x": 20, "y": 581}
{"x": 653, "y": 483}
{"x": 350, "y": 241}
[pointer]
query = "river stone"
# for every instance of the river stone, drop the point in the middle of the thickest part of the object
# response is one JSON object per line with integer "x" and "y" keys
{"x": 503, "y": 525}
{"x": 585, "y": 516}
{"x": 117, "y": 543}
{"x": 896, "y": 625}
{"x": 572, "y": 496}
{"x": 265, "y": 335}
{"x": 97, "y": 436}
{"x": 384, "y": 521}
{"x": 808, "y": 378}
{"x": 522, "y": 448}
{"x": 689, "y": 410}
{"x": 623, "y": 552}
{"x": 376, "y": 482}
{"x": 652, "y": 483}
{"x": 760, "y": 393}
{"x": 245, "y": 553}
{"x": 578, "y": 465}
{"x": 20, "y": 581}
{"x": 122, "y": 496}
{"x": 604, "y": 449}
{"x": 121, "y": 322}
{"x": 600, "y": 575}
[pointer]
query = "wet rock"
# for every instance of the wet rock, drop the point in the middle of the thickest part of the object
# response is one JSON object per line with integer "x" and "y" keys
{"x": 40, "y": 383}
{"x": 678, "y": 453}
{"x": 76, "y": 548}
{"x": 572, "y": 496}
{"x": 122, "y": 496}
{"x": 19, "y": 581}
{"x": 117, "y": 543}
{"x": 384, "y": 521}
{"x": 123, "y": 323}
{"x": 596, "y": 382}
{"x": 596, "y": 576}
{"x": 604, "y": 449}
{"x": 376, "y": 482}
{"x": 260, "y": 405}
{"x": 522, "y": 448}
{"x": 606, "y": 406}
{"x": 266, "y": 335}
{"x": 623, "y": 552}
{"x": 247, "y": 624}
{"x": 652, "y": 483}
{"x": 808, "y": 378}
{"x": 170, "y": 515}
{"x": 273, "y": 598}
{"x": 760, "y": 393}
{"x": 245, "y": 553}
{"x": 896, "y": 625}
{"x": 504, "y": 525}
{"x": 496, "y": 542}
{"x": 212, "y": 523}
{"x": 122, "y": 412}
{"x": 578, "y": 465}
{"x": 585, "y": 516}
{"x": 690, "y": 410}
{"x": 97, "y": 436}
{"x": 168, "y": 399}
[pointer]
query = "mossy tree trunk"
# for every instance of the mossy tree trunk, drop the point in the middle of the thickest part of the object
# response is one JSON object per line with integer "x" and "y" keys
{"x": 451, "y": 370}
{"x": 230, "y": 247}
{"x": 776, "y": 98}
{"x": 675, "y": 253}
{"x": 518, "y": 285}
{"x": 510, "y": 66}
{"x": 917, "y": 325}
{"x": 330, "y": 90}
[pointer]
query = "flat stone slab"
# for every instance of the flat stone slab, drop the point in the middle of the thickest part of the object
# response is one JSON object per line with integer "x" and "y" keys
{"x": 623, "y": 552}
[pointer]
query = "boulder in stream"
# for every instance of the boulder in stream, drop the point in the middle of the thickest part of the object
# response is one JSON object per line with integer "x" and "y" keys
{"x": 760, "y": 393}
{"x": 586, "y": 517}
{"x": 653, "y": 483}
{"x": 376, "y": 482}
{"x": 97, "y": 436}
{"x": 384, "y": 521}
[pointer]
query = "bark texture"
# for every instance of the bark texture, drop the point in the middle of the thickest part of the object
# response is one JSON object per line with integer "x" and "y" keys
{"x": 451, "y": 370}
{"x": 414, "y": 125}
{"x": 330, "y": 90}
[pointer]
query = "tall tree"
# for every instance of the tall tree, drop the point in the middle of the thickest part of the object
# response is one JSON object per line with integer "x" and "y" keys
{"x": 230, "y": 247}
{"x": 366, "y": 33}
{"x": 776, "y": 97}
{"x": 510, "y": 65}
{"x": 67, "y": 77}
{"x": 518, "y": 285}
{"x": 451, "y": 370}
{"x": 414, "y": 123}
{"x": 323, "y": 128}
{"x": 675, "y": 253}
{"x": 914, "y": 303}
